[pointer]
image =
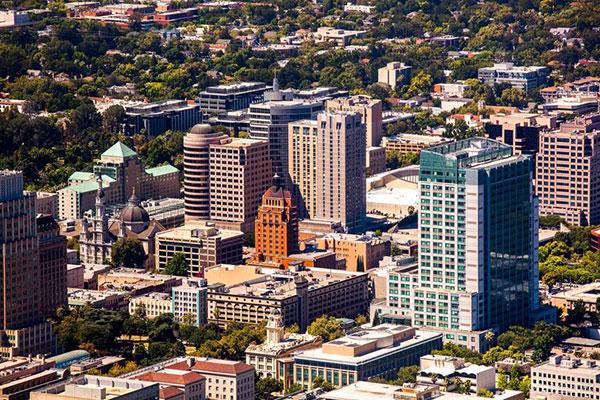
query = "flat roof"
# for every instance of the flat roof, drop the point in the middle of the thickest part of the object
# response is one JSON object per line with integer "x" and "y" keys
{"x": 195, "y": 231}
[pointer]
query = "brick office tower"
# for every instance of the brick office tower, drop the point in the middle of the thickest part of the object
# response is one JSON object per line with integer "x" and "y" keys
{"x": 53, "y": 263}
{"x": 276, "y": 227}
{"x": 22, "y": 326}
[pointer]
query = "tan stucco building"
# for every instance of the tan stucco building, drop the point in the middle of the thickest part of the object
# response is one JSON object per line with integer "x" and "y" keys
{"x": 361, "y": 252}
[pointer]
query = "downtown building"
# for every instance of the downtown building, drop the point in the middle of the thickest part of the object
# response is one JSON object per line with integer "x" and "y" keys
{"x": 237, "y": 96}
{"x": 27, "y": 272}
{"x": 478, "y": 261}
{"x": 568, "y": 171}
{"x": 269, "y": 121}
{"x": 327, "y": 167}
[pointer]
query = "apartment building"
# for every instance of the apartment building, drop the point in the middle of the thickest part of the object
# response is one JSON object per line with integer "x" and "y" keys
{"x": 240, "y": 172}
{"x": 378, "y": 351}
{"x": 202, "y": 244}
{"x": 564, "y": 378}
{"x": 524, "y": 78}
{"x": 568, "y": 167}
{"x": 334, "y": 190}
{"x": 361, "y": 252}
{"x": 370, "y": 110}
{"x": 394, "y": 74}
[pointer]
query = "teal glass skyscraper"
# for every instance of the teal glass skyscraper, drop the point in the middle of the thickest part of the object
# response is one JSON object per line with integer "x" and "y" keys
{"x": 478, "y": 262}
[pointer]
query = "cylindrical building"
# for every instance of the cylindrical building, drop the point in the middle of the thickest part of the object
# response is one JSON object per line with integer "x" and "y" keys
{"x": 196, "y": 181}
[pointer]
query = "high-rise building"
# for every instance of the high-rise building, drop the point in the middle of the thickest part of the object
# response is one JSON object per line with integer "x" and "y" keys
{"x": 122, "y": 172}
{"x": 370, "y": 109}
{"x": 327, "y": 167}
{"x": 269, "y": 121}
{"x": 276, "y": 234}
{"x": 53, "y": 264}
{"x": 302, "y": 165}
{"x": 478, "y": 241}
{"x": 394, "y": 74}
{"x": 568, "y": 171}
{"x": 240, "y": 172}
{"x": 196, "y": 170}
{"x": 22, "y": 282}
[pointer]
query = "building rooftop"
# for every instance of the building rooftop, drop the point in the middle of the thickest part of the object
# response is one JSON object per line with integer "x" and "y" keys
{"x": 368, "y": 237}
{"x": 368, "y": 344}
{"x": 90, "y": 186}
{"x": 570, "y": 366}
{"x": 170, "y": 376}
{"x": 96, "y": 387}
{"x": 411, "y": 138}
{"x": 290, "y": 341}
{"x": 84, "y": 296}
{"x": 196, "y": 231}
{"x": 589, "y": 293}
{"x": 119, "y": 150}
{"x": 279, "y": 284}
{"x": 363, "y": 390}
{"x": 162, "y": 170}
{"x": 212, "y": 366}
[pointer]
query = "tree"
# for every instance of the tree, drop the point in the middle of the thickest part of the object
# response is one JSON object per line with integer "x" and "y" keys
{"x": 329, "y": 328}
{"x": 407, "y": 375}
{"x": 293, "y": 388}
{"x": 267, "y": 385}
{"x": 323, "y": 384}
{"x": 361, "y": 319}
{"x": 177, "y": 265}
{"x": 513, "y": 97}
{"x": 485, "y": 393}
{"x": 550, "y": 221}
{"x": 112, "y": 119}
{"x": 128, "y": 252}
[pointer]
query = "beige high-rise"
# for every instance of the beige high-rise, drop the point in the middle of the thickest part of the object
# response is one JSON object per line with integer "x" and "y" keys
{"x": 370, "y": 109}
{"x": 240, "y": 173}
{"x": 568, "y": 171}
{"x": 196, "y": 182}
{"x": 335, "y": 187}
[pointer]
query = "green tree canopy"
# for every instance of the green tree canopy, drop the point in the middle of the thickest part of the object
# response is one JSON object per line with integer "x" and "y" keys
{"x": 329, "y": 328}
{"x": 128, "y": 252}
{"x": 177, "y": 265}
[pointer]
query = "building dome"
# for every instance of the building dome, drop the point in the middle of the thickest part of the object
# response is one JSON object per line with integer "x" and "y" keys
{"x": 134, "y": 216}
{"x": 201, "y": 129}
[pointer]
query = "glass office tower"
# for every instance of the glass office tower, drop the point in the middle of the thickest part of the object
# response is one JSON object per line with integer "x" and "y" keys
{"x": 478, "y": 240}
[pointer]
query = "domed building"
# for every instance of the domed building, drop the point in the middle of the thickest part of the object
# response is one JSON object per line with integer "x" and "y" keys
{"x": 98, "y": 235}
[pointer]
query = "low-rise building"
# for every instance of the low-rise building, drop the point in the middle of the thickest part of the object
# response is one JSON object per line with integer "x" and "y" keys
{"x": 359, "y": 8}
{"x": 190, "y": 301}
{"x": 175, "y": 383}
{"x": 341, "y": 37}
{"x": 562, "y": 378}
{"x": 150, "y": 305}
{"x": 377, "y": 351}
{"x": 375, "y": 160}
{"x": 300, "y": 296}
{"x": 156, "y": 118}
{"x": 565, "y": 299}
{"x": 444, "y": 371}
{"x": 88, "y": 387}
{"x": 224, "y": 379}
{"x": 394, "y": 74}
{"x": 107, "y": 299}
{"x": 274, "y": 357}
{"x": 20, "y": 375}
{"x": 361, "y": 252}
{"x": 524, "y": 78}
{"x": 363, "y": 390}
{"x": 231, "y": 97}
{"x": 202, "y": 244}
{"x": 134, "y": 282}
{"x": 393, "y": 193}
{"x": 404, "y": 143}
{"x": 577, "y": 104}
